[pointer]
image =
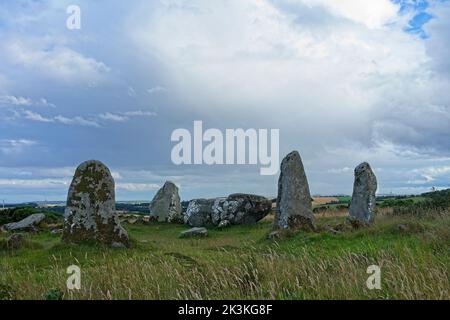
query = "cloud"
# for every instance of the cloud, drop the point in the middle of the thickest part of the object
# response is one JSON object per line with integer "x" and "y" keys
{"x": 137, "y": 186}
{"x": 344, "y": 81}
{"x": 429, "y": 175}
{"x": 52, "y": 59}
{"x": 139, "y": 113}
{"x": 11, "y": 146}
{"x": 113, "y": 117}
{"x": 34, "y": 116}
{"x": 88, "y": 122}
{"x": 16, "y": 101}
{"x": 77, "y": 121}
{"x": 10, "y": 100}
{"x": 352, "y": 73}
{"x": 34, "y": 183}
{"x": 125, "y": 116}
{"x": 157, "y": 89}
{"x": 340, "y": 170}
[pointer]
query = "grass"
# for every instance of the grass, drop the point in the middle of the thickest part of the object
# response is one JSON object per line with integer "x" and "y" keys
{"x": 239, "y": 263}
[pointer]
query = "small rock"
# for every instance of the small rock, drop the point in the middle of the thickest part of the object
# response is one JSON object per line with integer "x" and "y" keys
{"x": 402, "y": 227}
{"x": 274, "y": 235}
{"x": 224, "y": 224}
{"x": 57, "y": 231}
{"x": 333, "y": 231}
{"x": 194, "y": 232}
{"x": 132, "y": 221}
{"x": 118, "y": 245}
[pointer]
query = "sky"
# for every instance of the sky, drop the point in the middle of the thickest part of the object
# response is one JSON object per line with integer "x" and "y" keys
{"x": 345, "y": 81}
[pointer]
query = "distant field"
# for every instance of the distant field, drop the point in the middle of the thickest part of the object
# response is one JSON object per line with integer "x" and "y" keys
{"x": 318, "y": 201}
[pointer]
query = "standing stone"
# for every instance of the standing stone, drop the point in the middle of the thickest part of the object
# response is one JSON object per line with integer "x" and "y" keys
{"x": 90, "y": 213}
{"x": 166, "y": 205}
{"x": 294, "y": 209}
{"x": 362, "y": 205}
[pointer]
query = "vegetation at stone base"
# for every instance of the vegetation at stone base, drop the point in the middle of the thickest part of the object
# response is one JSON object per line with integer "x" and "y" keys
{"x": 240, "y": 263}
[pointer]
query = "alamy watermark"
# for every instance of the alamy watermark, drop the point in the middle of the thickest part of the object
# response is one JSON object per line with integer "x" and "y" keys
{"x": 74, "y": 280}
{"x": 73, "y": 22}
{"x": 374, "y": 280}
{"x": 236, "y": 146}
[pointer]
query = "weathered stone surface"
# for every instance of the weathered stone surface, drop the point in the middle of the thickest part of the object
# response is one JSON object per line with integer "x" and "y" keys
{"x": 194, "y": 232}
{"x": 29, "y": 223}
{"x": 240, "y": 208}
{"x": 237, "y": 208}
{"x": 294, "y": 208}
{"x": 362, "y": 205}
{"x": 199, "y": 212}
{"x": 90, "y": 213}
{"x": 166, "y": 205}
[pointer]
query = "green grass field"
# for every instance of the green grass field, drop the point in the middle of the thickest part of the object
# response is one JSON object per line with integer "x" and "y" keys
{"x": 239, "y": 263}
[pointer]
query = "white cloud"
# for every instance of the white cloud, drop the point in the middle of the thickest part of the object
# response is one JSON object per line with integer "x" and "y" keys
{"x": 10, "y": 146}
{"x": 113, "y": 117}
{"x": 429, "y": 174}
{"x": 34, "y": 116}
{"x": 52, "y": 59}
{"x": 137, "y": 186}
{"x": 360, "y": 77}
{"x": 10, "y": 100}
{"x": 139, "y": 113}
{"x": 125, "y": 116}
{"x": 34, "y": 183}
{"x": 157, "y": 89}
{"x": 81, "y": 121}
{"x": 16, "y": 101}
{"x": 373, "y": 14}
{"x": 88, "y": 122}
{"x": 340, "y": 170}
{"x": 77, "y": 121}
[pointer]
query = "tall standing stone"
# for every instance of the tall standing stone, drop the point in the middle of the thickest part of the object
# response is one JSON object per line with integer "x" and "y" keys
{"x": 90, "y": 213}
{"x": 166, "y": 205}
{"x": 362, "y": 206}
{"x": 294, "y": 208}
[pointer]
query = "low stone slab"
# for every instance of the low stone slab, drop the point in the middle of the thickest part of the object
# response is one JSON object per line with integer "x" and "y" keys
{"x": 29, "y": 223}
{"x": 194, "y": 232}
